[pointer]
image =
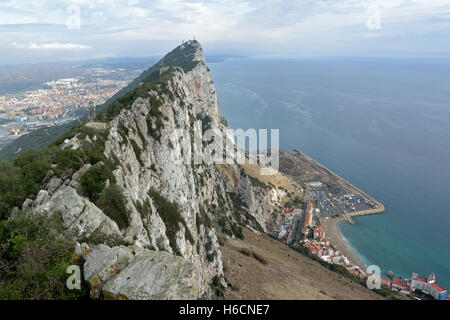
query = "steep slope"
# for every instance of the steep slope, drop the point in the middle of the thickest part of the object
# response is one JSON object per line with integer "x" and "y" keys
{"x": 142, "y": 200}
{"x": 283, "y": 273}
{"x": 135, "y": 180}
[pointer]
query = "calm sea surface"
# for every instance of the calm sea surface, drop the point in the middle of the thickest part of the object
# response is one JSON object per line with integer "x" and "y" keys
{"x": 382, "y": 124}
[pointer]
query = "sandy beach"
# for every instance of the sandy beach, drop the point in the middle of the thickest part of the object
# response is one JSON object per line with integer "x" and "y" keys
{"x": 332, "y": 232}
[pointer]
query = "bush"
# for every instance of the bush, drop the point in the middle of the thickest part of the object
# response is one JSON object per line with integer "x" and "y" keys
{"x": 112, "y": 203}
{"x": 93, "y": 181}
{"x": 111, "y": 240}
{"x": 217, "y": 286}
{"x": 246, "y": 251}
{"x": 170, "y": 214}
{"x": 250, "y": 253}
{"x": 259, "y": 257}
{"x": 22, "y": 177}
{"x": 34, "y": 256}
{"x": 67, "y": 160}
{"x": 137, "y": 152}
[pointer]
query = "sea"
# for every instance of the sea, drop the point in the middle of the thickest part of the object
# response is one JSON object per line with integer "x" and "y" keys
{"x": 381, "y": 123}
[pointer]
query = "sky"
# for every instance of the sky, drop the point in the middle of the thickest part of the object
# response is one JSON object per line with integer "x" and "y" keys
{"x": 47, "y": 30}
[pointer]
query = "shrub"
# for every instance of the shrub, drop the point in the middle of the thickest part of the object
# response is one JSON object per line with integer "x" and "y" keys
{"x": 217, "y": 286}
{"x": 111, "y": 240}
{"x": 246, "y": 251}
{"x": 112, "y": 203}
{"x": 34, "y": 256}
{"x": 137, "y": 152}
{"x": 259, "y": 257}
{"x": 250, "y": 253}
{"x": 22, "y": 177}
{"x": 67, "y": 159}
{"x": 93, "y": 181}
{"x": 170, "y": 214}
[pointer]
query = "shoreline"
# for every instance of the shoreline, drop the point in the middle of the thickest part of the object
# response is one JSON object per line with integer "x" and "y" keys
{"x": 380, "y": 207}
{"x": 333, "y": 233}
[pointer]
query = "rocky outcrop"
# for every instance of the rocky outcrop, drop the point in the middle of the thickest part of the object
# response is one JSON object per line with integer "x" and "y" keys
{"x": 78, "y": 215}
{"x": 153, "y": 275}
{"x": 173, "y": 204}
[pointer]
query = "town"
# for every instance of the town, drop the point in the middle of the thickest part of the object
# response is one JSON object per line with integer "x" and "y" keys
{"x": 305, "y": 227}
{"x": 58, "y": 101}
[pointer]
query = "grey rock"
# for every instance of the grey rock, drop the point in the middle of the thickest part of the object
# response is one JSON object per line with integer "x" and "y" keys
{"x": 153, "y": 275}
{"x": 27, "y": 204}
{"x": 75, "y": 180}
{"x": 50, "y": 173}
{"x": 41, "y": 198}
{"x": 102, "y": 264}
{"x": 53, "y": 184}
{"x": 78, "y": 214}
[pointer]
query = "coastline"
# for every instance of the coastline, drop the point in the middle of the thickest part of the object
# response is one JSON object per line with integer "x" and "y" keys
{"x": 380, "y": 207}
{"x": 333, "y": 233}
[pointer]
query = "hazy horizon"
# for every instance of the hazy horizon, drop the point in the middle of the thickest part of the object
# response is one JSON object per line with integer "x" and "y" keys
{"x": 43, "y": 31}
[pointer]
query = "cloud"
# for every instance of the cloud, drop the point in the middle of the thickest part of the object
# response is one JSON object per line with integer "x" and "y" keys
{"x": 261, "y": 26}
{"x": 51, "y": 46}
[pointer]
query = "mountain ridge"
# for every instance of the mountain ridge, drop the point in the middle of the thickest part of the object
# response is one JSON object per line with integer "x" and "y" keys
{"x": 145, "y": 222}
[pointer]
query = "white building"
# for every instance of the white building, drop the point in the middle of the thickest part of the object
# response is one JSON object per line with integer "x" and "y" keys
{"x": 428, "y": 286}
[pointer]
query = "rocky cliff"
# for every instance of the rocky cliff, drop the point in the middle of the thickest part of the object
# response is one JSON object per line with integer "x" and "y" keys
{"x": 146, "y": 212}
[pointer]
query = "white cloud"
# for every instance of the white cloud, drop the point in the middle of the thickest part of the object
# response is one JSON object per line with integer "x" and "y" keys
{"x": 52, "y": 46}
{"x": 266, "y": 26}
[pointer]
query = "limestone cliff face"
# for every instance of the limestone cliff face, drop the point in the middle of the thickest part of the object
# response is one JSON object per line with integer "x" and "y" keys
{"x": 174, "y": 207}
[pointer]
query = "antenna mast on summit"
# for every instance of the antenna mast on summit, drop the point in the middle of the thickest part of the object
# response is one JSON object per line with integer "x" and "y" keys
{"x": 91, "y": 111}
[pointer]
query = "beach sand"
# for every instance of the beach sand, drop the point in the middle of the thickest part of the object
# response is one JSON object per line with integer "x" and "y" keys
{"x": 332, "y": 232}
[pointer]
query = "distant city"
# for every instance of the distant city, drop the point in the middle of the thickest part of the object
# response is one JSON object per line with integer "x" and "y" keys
{"x": 59, "y": 101}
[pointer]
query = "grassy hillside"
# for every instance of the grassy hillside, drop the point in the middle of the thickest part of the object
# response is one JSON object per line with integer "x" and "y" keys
{"x": 37, "y": 139}
{"x": 259, "y": 267}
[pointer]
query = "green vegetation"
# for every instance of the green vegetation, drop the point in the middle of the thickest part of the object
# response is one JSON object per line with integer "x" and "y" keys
{"x": 36, "y": 139}
{"x": 123, "y": 131}
{"x": 250, "y": 253}
{"x": 298, "y": 202}
{"x": 217, "y": 286}
{"x": 182, "y": 57}
{"x": 203, "y": 219}
{"x": 145, "y": 211}
{"x": 170, "y": 214}
{"x": 258, "y": 183}
{"x": 137, "y": 151}
{"x": 238, "y": 210}
{"x": 342, "y": 271}
{"x": 155, "y": 118}
{"x": 111, "y": 240}
{"x": 22, "y": 177}
{"x": 112, "y": 203}
{"x": 93, "y": 182}
{"x": 156, "y": 82}
{"x": 43, "y": 137}
{"x": 288, "y": 204}
{"x": 34, "y": 256}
